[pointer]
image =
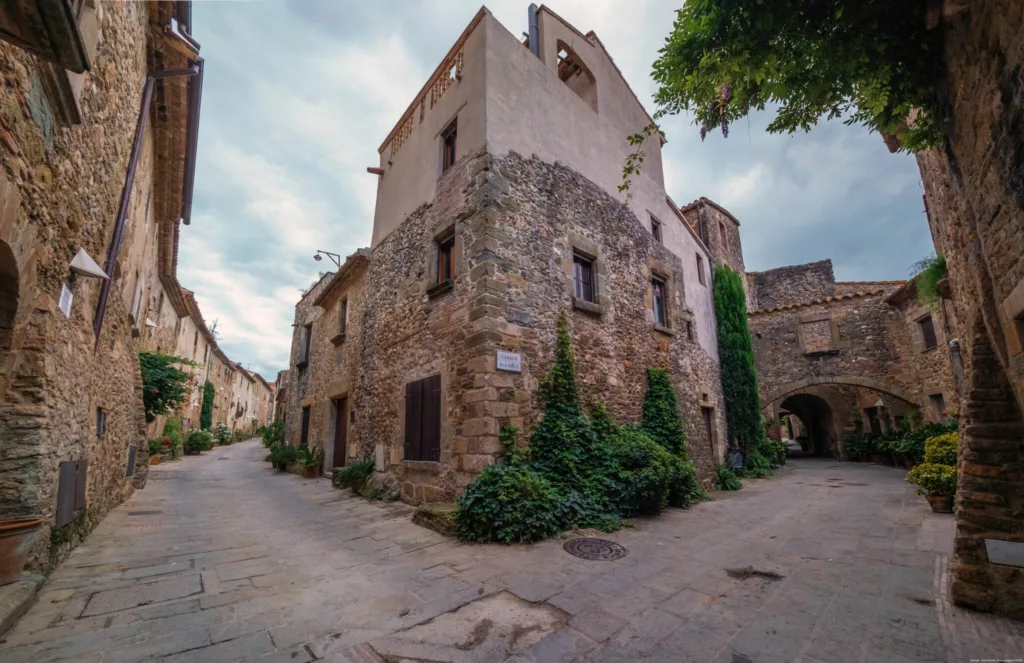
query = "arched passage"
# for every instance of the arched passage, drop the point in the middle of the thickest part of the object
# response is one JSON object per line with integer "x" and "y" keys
{"x": 818, "y": 427}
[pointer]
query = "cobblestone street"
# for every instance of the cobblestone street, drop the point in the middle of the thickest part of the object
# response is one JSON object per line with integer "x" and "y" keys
{"x": 221, "y": 559}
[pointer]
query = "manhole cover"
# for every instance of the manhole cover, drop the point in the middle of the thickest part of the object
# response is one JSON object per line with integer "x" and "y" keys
{"x": 143, "y": 513}
{"x": 597, "y": 549}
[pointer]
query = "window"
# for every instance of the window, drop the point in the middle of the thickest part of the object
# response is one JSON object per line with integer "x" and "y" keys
{"x": 928, "y": 332}
{"x": 708, "y": 413}
{"x": 583, "y": 277}
{"x": 656, "y": 230}
{"x": 304, "y": 435}
{"x": 938, "y": 404}
{"x": 448, "y": 137}
{"x": 700, "y": 270}
{"x": 160, "y": 304}
{"x": 343, "y": 315}
{"x": 423, "y": 419}
{"x": 445, "y": 266}
{"x": 101, "y": 421}
{"x": 721, "y": 233}
{"x": 689, "y": 330}
{"x": 307, "y": 335}
{"x": 659, "y": 301}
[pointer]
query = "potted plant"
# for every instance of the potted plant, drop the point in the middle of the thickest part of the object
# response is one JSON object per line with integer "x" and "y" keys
{"x": 281, "y": 456}
{"x": 155, "y": 447}
{"x": 937, "y": 483}
{"x": 16, "y": 538}
{"x": 353, "y": 475}
{"x": 223, "y": 435}
{"x": 309, "y": 462}
{"x": 197, "y": 441}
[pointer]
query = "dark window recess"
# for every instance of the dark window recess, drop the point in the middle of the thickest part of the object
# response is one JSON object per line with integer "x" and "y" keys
{"x": 709, "y": 424}
{"x": 700, "y": 270}
{"x": 101, "y": 421}
{"x": 583, "y": 270}
{"x": 343, "y": 316}
{"x": 656, "y": 230}
{"x": 423, "y": 419}
{"x": 928, "y": 332}
{"x": 445, "y": 252}
{"x": 938, "y": 406}
{"x": 721, "y": 233}
{"x": 448, "y": 137}
{"x": 132, "y": 451}
{"x": 689, "y": 330}
{"x": 304, "y": 438}
{"x": 307, "y": 336}
{"x": 68, "y": 475}
{"x": 659, "y": 300}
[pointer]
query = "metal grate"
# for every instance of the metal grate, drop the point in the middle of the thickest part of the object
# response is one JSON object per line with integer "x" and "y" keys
{"x": 595, "y": 549}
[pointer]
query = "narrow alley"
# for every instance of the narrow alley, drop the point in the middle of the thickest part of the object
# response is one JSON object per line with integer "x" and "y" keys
{"x": 221, "y": 559}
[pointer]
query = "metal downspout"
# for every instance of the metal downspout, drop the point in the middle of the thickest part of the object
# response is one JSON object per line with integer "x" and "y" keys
{"x": 534, "y": 34}
{"x": 126, "y": 192}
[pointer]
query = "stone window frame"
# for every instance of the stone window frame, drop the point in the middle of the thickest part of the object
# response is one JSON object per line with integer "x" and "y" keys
{"x": 920, "y": 324}
{"x": 450, "y": 131}
{"x": 665, "y": 273}
{"x": 64, "y": 88}
{"x": 591, "y": 250}
{"x": 339, "y": 338}
{"x": 396, "y": 447}
{"x": 657, "y": 229}
{"x": 722, "y": 232}
{"x": 305, "y": 344}
{"x": 442, "y": 232}
{"x": 701, "y": 278}
{"x": 836, "y": 341}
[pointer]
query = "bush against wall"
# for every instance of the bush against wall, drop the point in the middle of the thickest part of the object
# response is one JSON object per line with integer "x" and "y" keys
{"x": 164, "y": 386}
{"x": 580, "y": 471}
{"x": 739, "y": 376}
{"x": 206, "y": 414}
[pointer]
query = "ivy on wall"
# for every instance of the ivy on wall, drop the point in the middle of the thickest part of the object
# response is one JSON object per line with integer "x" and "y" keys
{"x": 164, "y": 385}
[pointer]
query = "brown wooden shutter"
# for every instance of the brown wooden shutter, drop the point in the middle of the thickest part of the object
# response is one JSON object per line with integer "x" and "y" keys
{"x": 66, "y": 481}
{"x": 431, "y": 435}
{"x": 80, "y": 484}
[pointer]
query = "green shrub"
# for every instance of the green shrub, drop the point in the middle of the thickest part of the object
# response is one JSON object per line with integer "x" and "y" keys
{"x": 310, "y": 457}
{"x": 776, "y": 452}
{"x": 222, "y": 434}
{"x": 929, "y": 271}
{"x": 241, "y": 435}
{"x": 206, "y": 413}
{"x": 683, "y": 488}
{"x": 165, "y": 387}
{"x": 154, "y": 446}
{"x": 726, "y": 479}
{"x": 942, "y": 449}
{"x": 640, "y": 485}
{"x": 512, "y": 503}
{"x": 755, "y": 466}
{"x": 281, "y": 455}
{"x": 933, "y": 479}
{"x": 353, "y": 474}
{"x": 857, "y": 446}
{"x": 198, "y": 440}
{"x": 274, "y": 433}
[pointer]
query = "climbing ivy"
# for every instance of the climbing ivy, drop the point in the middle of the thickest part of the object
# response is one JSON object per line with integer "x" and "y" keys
{"x": 661, "y": 420}
{"x": 206, "y": 414}
{"x": 736, "y": 357}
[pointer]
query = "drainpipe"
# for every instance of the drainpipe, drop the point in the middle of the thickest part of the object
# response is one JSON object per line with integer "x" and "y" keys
{"x": 534, "y": 34}
{"x": 126, "y": 192}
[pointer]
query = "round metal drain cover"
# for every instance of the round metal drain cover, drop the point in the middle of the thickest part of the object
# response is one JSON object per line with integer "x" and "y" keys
{"x": 596, "y": 549}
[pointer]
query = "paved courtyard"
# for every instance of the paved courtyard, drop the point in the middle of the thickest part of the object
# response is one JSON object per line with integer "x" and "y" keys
{"x": 221, "y": 559}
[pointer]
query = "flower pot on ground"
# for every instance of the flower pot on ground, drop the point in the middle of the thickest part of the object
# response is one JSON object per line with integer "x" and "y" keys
{"x": 154, "y": 459}
{"x": 940, "y": 503}
{"x": 197, "y": 441}
{"x": 281, "y": 456}
{"x": 353, "y": 475}
{"x": 309, "y": 461}
{"x": 16, "y": 538}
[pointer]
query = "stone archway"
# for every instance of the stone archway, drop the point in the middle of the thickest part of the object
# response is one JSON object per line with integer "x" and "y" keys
{"x": 816, "y": 416}
{"x": 851, "y": 381}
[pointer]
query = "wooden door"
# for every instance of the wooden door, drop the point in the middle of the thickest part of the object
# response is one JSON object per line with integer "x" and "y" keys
{"x": 340, "y": 431}
{"x": 423, "y": 419}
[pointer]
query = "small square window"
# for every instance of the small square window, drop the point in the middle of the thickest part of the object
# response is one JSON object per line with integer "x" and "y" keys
{"x": 101, "y": 421}
{"x": 583, "y": 277}
{"x": 928, "y": 332}
{"x": 660, "y": 301}
{"x": 700, "y": 270}
{"x": 445, "y": 266}
{"x": 656, "y": 230}
{"x": 448, "y": 137}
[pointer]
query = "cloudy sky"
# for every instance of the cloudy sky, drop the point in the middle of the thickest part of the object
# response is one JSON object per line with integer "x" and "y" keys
{"x": 299, "y": 94}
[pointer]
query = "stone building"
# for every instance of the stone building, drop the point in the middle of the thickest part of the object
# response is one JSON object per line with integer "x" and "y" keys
{"x": 974, "y": 199}
{"x": 71, "y": 416}
{"x": 498, "y": 209}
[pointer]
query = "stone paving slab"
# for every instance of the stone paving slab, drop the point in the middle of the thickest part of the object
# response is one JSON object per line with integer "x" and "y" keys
{"x": 243, "y": 563}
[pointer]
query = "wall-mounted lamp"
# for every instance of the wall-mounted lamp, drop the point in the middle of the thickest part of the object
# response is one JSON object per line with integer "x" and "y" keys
{"x": 333, "y": 256}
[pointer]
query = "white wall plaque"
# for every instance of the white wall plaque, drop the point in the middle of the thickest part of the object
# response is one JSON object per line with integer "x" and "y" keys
{"x": 510, "y": 361}
{"x": 65, "y": 300}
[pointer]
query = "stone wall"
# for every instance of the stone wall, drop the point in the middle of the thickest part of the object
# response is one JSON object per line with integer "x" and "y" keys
{"x": 298, "y": 391}
{"x": 515, "y": 234}
{"x": 59, "y": 190}
{"x": 974, "y": 196}
{"x": 795, "y": 284}
{"x": 719, "y": 230}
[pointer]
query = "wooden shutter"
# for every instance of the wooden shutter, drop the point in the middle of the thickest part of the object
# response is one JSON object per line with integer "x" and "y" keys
{"x": 66, "y": 480}
{"x": 414, "y": 421}
{"x": 132, "y": 451}
{"x": 431, "y": 435}
{"x": 80, "y": 484}
{"x": 304, "y": 440}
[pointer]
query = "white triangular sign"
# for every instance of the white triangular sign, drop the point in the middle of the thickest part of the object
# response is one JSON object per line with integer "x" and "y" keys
{"x": 83, "y": 264}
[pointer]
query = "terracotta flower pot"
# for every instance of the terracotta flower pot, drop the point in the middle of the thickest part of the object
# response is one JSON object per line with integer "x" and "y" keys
{"x": 154, "y": 459}
{"x": 310, "y": 472}
{"x": 940, "y": 503}
{"x": 16, "y": 539}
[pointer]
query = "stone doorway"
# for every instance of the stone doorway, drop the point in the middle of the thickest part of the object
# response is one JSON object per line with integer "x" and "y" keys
{"x": 816, "y": 432}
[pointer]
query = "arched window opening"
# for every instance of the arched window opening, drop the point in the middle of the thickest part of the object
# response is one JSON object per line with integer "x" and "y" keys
{"x": 576, "y": 75}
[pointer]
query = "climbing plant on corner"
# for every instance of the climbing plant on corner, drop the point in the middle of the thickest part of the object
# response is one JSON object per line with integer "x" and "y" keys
{"x": 206, "y": 415}
{"x": 736, "y": 356}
